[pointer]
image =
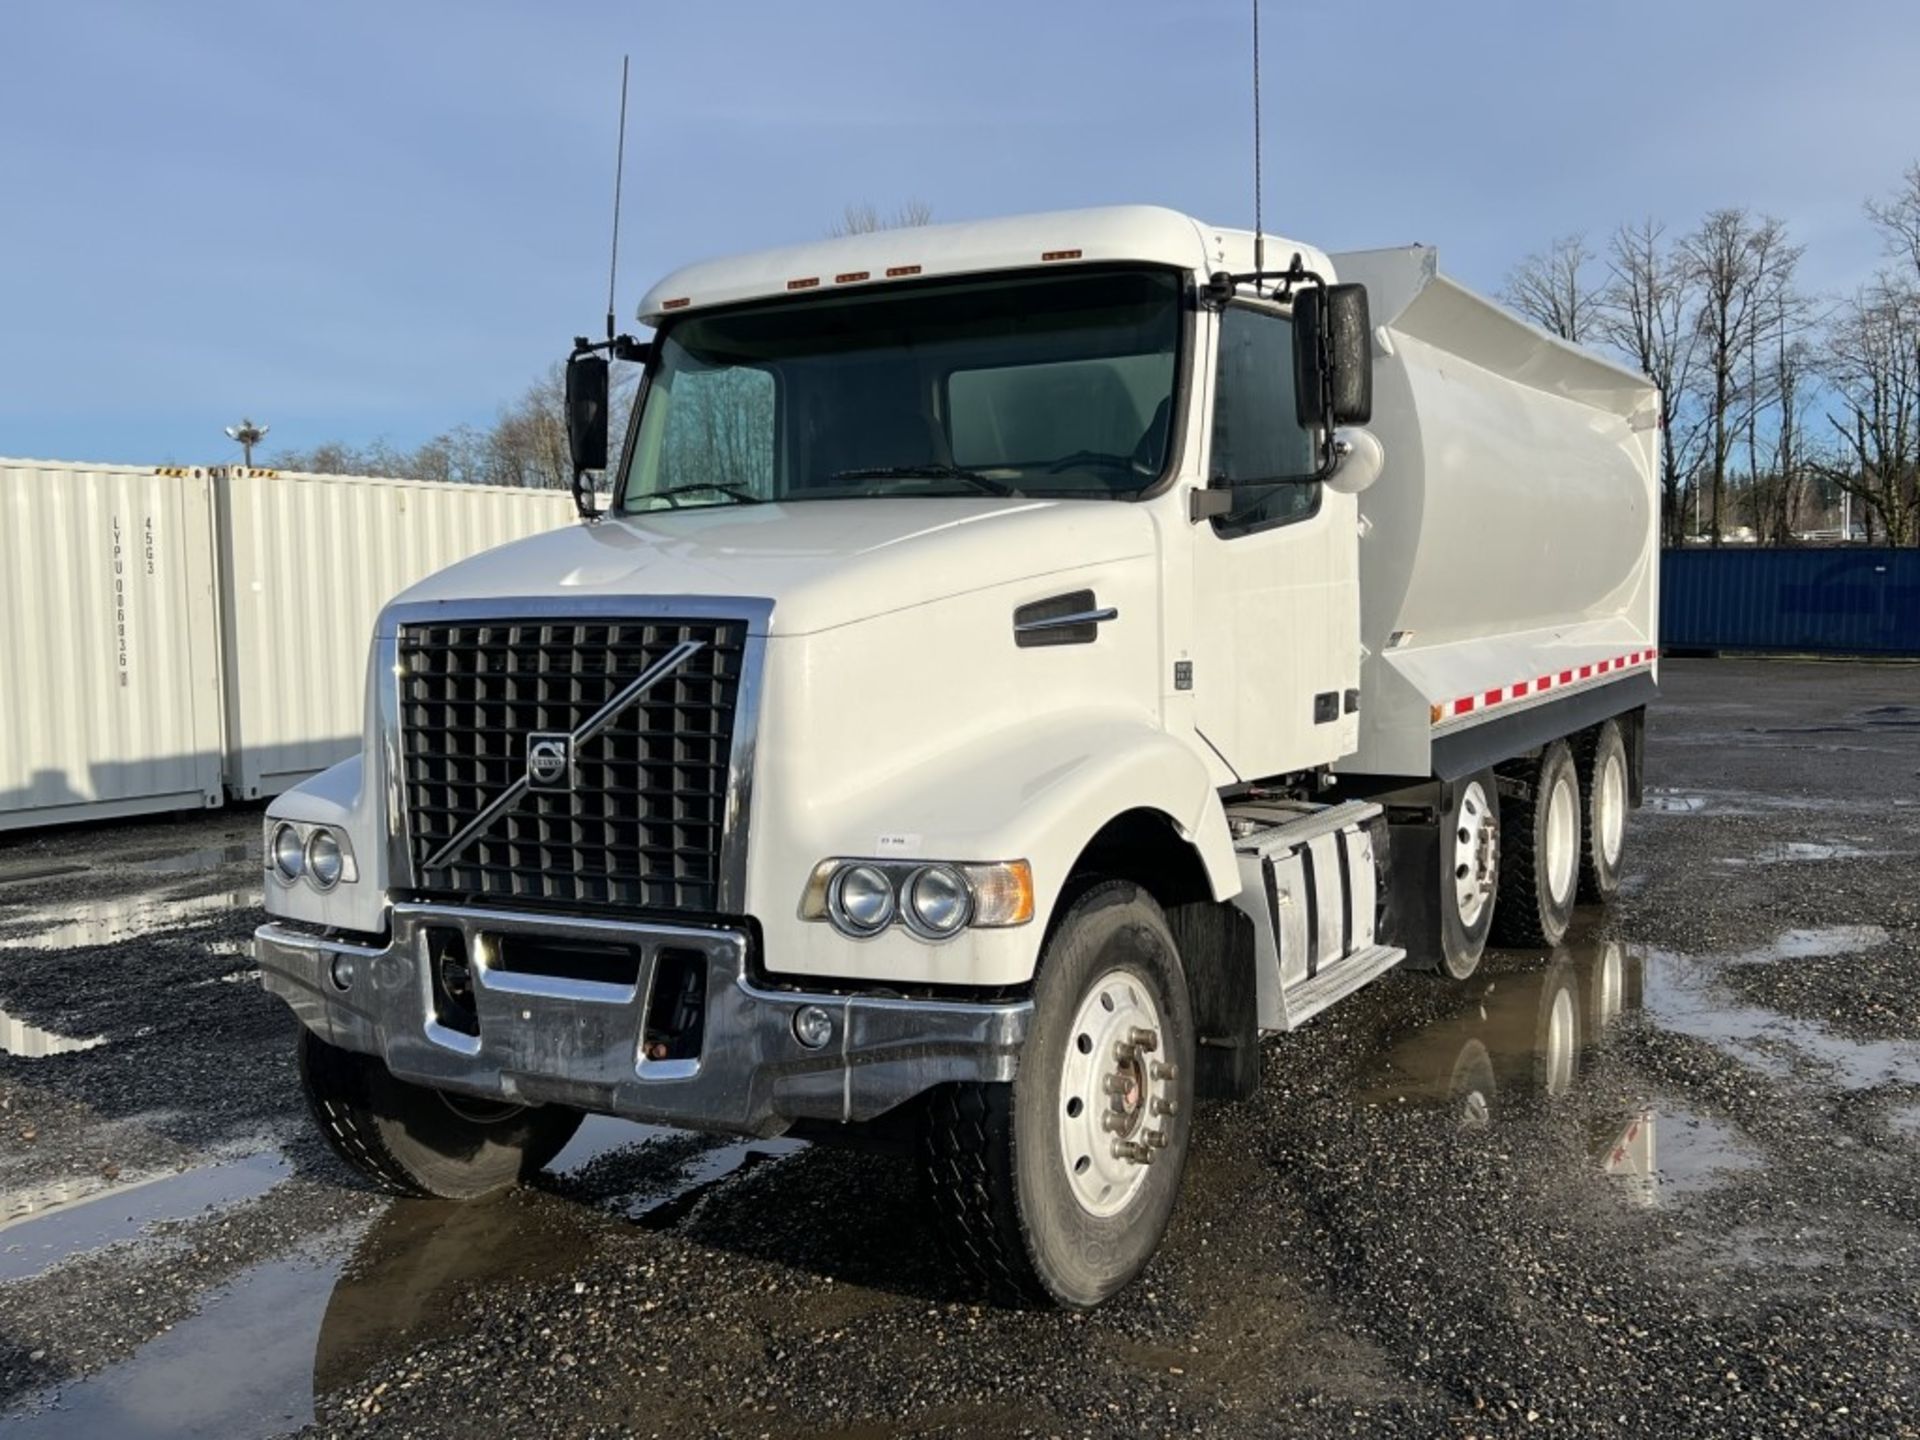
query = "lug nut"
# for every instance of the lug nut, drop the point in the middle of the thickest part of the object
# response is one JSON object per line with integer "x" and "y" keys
{"x": 1157, "y": 1139}
{"x": 1132, "y": 1150}
{"x": 1165, "y": 1070}
{"x": 1112, "y": 1121}
{"x": 1164, "y": 1106}
{"x": 1145, "y": 1040}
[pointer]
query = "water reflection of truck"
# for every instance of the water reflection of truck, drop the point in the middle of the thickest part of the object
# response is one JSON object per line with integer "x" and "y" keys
{"x": 1021, "y": 664}
{"x": 1523, "y": 1032}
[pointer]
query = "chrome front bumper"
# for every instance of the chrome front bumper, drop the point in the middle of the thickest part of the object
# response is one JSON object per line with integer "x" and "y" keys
{"x": 574, "y": 1042}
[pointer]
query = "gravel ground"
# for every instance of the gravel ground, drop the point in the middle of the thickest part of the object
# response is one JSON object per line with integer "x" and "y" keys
{"x": 1695, "y": 1212}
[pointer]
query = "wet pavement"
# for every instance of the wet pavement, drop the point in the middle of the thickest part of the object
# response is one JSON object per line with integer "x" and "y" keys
{"x": 1663, "y": 1181}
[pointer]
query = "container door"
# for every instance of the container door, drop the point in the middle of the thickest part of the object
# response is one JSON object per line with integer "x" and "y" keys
{"x": 1276, "y": 603}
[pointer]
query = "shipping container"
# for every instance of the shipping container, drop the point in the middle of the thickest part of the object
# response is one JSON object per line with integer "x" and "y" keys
{"x": 109, "y": 642}
{"x": 1842, "y": 600}
{"x": 306, "y": 563}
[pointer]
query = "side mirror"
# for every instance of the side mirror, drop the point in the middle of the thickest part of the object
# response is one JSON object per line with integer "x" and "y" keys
{"x": 587, "y": 391}
{"x": 1332, "y": 355}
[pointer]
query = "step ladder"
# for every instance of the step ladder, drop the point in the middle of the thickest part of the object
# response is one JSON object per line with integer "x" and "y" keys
{"x": 1310, "y": 882}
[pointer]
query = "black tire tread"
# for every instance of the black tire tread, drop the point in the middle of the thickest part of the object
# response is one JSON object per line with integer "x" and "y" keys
{"x": 966, "y": 1154}
{"x": 340, "y": 1088}
{"x": 1586, "y": 747}
{"x": 1516, "y": 916}
{"x": 336, "y": 1092}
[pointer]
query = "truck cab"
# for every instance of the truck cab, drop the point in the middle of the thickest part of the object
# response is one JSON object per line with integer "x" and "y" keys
{"x": 957, "y": 722}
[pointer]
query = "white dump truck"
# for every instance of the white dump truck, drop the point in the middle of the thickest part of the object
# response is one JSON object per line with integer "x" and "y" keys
{"x": 1018, "y": 665}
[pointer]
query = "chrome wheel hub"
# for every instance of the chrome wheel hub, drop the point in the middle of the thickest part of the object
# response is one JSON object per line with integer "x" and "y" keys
{"x": 1475, "y": 857}
{"x": 1116, "y": 1093}
{"x": 1610, "y": 809}
{"x": 1563, "y": 838}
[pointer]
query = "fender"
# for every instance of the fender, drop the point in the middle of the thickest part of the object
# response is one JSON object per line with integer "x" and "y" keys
{"x": 1039, "y": 793}
{"x": 338, "y": 797}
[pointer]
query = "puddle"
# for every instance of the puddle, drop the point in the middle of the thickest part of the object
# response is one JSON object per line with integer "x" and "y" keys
{"x": 18, "y": 873}
{"x": 1522, "y": 1033}
{"x": 1664, "y": 801}
{"x": 102, "y": 922}
{"x": 601, "y": 1135}
{"x": 41, "y": 1229}
{"x": 1802, "y": 851}
{"x": 211, "y": 857}
{"x": 31, "y": 1042}
{"x": 1668, "y": 1150}
{"x": 1827, "y": 941}
{"x": 1682, "y": 996}
{"x": 259, "y": 1350}
{"x": 242, "y": 1365}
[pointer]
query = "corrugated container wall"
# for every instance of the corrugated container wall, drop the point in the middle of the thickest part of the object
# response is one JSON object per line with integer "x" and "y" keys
{"x": 307, "y": 562}
{"x": 109, "y": 642}
{"x": 1845, "y": 600}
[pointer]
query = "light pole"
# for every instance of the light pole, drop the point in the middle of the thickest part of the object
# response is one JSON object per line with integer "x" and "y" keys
{"x": 248, "y": 435}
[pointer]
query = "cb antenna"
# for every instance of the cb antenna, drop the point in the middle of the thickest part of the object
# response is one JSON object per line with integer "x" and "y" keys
{"x": 1259, "y": 234}
{"x": 619, "y": 173}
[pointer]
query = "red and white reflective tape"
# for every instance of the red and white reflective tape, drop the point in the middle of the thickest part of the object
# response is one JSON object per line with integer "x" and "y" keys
{"x": 1540, "y": 685}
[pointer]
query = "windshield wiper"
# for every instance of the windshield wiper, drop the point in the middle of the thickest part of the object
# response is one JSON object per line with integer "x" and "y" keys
{"x": 745, "y": 497}
{"x": 985, "y": 483}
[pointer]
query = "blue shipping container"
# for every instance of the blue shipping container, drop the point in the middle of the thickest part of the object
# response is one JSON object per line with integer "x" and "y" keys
{"x": 1849, "y": 600}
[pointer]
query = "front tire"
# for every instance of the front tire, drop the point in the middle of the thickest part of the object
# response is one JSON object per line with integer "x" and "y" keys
{"x": 1058, "y": 1187}
{"x": 410, "y": 1140}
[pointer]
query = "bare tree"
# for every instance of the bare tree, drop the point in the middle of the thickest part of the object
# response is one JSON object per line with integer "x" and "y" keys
{"x": 865, "y": 218}
{"x": 1738, "y": 263}
{"x": 1647, "y": 312}
{"x": 1552, "y": 289}
{"x": 1872, "y": 367}
{"x": 1898, "y": 220}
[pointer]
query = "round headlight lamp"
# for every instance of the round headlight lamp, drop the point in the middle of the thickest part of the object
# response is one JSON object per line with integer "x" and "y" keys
{"x": 939, "y": 902}
{"x": 324, "y": 861}
{"x": 860, "y": 900}
{"x": 289, "y": 856}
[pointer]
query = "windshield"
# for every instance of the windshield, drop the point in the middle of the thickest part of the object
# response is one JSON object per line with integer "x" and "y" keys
{"x": 1058, "y": 384}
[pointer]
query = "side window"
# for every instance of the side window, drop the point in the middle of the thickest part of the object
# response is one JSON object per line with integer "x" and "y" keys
{"x": 1256, "y": 435}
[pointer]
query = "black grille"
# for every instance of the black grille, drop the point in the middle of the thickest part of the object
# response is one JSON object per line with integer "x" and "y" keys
{"x": 640, "y": 827}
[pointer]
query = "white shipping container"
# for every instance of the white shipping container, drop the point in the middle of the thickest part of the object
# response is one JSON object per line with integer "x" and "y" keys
{"x": 307, "y": 562}
{"x": 110, "y": 698}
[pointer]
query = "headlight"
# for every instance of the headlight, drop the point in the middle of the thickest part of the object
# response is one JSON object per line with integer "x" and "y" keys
{"x": 324, "y": 860}
{"x": 938, "y": 901}
{"x": 935, "y": 899}
{"x": 860, "y": 900}
{"x": 289, "y": 856}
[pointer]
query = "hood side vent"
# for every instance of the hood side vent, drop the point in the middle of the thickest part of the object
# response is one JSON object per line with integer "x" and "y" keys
{"x": 1071, "y": 619}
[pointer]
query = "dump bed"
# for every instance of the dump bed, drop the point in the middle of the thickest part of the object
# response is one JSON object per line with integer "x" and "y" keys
{"x": 1509, "y": 552}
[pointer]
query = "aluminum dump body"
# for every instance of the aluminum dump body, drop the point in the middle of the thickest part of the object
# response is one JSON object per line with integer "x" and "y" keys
{"x": 1509, "y": 552}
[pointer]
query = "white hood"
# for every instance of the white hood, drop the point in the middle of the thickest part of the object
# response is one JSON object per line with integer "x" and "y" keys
{"x": 822, "y": 562}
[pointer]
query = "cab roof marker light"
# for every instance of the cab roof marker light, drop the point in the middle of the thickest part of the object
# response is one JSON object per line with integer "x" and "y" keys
{"x": 678, "y": 303}
{"x": 807, "y": 282}
{"x": 1059, "y": 255}
{"x": 896, "y": 272}
{"x": 851, "y": 277}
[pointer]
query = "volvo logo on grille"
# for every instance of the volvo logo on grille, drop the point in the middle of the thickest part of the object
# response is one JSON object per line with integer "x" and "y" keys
{"x": 550, "y": 761}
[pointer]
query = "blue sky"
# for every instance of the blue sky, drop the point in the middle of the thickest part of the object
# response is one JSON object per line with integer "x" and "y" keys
{"x": 355, "y": 221}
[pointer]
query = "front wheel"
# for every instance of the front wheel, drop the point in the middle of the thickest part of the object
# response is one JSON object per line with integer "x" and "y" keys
{"x": 410, "y": 1140}
{"x": 1059, "y": 1186}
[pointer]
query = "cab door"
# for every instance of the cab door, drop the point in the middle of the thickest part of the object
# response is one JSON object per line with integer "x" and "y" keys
{"x": 1276, "y": 643}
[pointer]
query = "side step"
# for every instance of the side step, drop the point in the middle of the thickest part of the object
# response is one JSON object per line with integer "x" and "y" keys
{"x": 1310, "y": 879}
{"x": 1310, "y": 997}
